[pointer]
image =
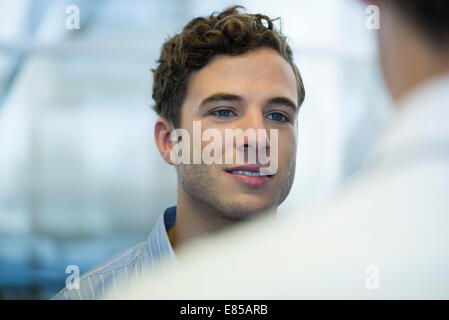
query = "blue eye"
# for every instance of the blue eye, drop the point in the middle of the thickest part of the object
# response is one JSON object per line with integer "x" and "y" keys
{"x": 224, "y": 113}
{"x": 276, "y": 116}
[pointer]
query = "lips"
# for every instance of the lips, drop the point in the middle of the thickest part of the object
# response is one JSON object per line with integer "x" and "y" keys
{"x": 249, "y": 174}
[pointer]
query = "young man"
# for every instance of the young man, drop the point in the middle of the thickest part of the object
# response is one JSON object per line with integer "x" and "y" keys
{"x": 385, "y": 236}
{"x": 229, "y": 72}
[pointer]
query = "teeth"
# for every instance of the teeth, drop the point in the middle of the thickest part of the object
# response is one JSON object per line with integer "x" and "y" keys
{"x": 249, "y": 173}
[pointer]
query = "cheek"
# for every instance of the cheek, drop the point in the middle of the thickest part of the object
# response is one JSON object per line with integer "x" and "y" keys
{"x": 287, "y": 149}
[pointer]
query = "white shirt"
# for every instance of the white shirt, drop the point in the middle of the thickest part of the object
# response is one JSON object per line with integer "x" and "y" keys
{"x": 385, "y": 235}
{"x": 135, "y": 262}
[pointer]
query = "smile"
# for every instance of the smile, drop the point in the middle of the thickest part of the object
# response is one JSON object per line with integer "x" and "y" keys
{"x": 249, "y": 175}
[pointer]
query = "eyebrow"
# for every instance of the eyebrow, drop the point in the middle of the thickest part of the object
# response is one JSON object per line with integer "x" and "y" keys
{"x": 233, "y": 98}
{"x": 220, "y": 97}
{"x": 283, "y": 101}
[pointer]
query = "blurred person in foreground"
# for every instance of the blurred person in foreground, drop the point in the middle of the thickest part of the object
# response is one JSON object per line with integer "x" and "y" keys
{"x": 385, "y": 235}
{"x": 229, "y": 71}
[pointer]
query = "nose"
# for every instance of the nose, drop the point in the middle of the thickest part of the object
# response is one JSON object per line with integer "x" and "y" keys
{"x": 253, "y": 126}
{"x": 252, "y": 119}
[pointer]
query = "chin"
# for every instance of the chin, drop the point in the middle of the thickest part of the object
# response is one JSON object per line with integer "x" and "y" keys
{"x": 247, "y": 209}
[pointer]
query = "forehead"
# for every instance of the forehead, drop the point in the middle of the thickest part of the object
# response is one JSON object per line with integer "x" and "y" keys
{"x": 258, "y": 74}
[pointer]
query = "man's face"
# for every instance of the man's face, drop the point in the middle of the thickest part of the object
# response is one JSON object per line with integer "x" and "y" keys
{"x": 256, "y": 90}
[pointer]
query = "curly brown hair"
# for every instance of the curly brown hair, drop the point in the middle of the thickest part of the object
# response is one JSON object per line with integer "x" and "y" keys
{"x": 230, "y": 32}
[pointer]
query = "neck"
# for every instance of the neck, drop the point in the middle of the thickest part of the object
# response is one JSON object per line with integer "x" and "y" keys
{"x": 195, "y": 219}
{"x": 410, "y": 57}
{"x": 420, "y": 72}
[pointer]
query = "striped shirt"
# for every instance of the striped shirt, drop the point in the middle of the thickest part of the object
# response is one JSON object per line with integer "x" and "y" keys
{"x": 106, "y": 277}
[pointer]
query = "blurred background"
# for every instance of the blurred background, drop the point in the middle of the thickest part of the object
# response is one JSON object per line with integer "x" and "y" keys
{"x": 80, "y": 176}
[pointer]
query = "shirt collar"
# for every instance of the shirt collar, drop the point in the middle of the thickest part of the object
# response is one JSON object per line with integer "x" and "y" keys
{"x": 159, "y": 245}
{"x": 419, "y": 126}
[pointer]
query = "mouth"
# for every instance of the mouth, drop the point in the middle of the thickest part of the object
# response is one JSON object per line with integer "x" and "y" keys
{"x": 249, "y": 175}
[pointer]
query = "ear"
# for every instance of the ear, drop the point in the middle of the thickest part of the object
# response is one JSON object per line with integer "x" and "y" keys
{"x": 370, "y": 2}
{"x": 162, "y": 132}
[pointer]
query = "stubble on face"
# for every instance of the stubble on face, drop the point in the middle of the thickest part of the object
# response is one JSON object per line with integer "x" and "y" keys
{"x": 198, "y": 183}
{"x": 209, "y": 186}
